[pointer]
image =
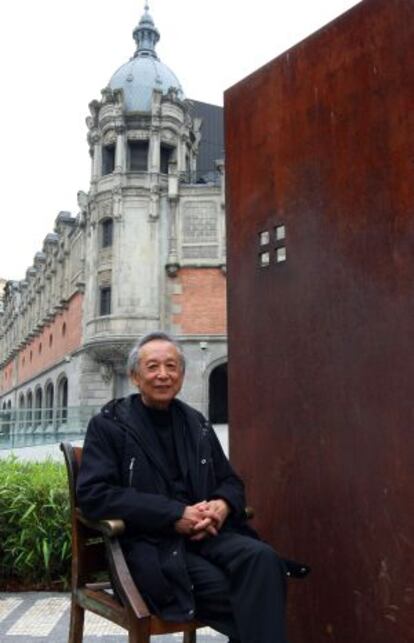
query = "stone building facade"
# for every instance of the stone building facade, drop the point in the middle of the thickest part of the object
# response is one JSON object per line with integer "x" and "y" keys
{"x": 2, "y": 287}
{"x": 145, "y": 251}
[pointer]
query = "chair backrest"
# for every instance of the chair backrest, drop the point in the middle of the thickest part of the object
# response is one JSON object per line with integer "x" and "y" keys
{"x": 73, "y": 458}
{"x": 88, "y": 550}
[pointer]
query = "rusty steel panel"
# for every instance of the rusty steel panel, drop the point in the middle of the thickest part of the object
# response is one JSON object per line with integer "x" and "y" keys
{"x": 320, "y": 205}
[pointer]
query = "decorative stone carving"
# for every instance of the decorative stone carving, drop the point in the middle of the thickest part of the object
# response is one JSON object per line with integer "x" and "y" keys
{"x": 83, "y": 203}
{"x": 94, "y": 137}
{"x": 154, "y": 204}
{"x": 199, "y": 230}
{"x": 109, "y": 138}
{"x": 197, "y": 123}
{"x": 104, "y": 277}
{"x": 106, "y": 371}
{"x": 118, "y": 95}
{"x": 94, "y": 213}
{"x": 94, "y": 107}
{"x": 104, "y": 210}
{"x": 107, "y": 96}
{"x": 110, "y": 352}
{"x": 117, "y": 203}
{"x": 138, "y": 135}
{"x": 120, "y": 126}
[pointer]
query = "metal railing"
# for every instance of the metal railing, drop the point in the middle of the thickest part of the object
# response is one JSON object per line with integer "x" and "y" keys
{"x": 35, "y": 426}
{"x": 200, "y": 177}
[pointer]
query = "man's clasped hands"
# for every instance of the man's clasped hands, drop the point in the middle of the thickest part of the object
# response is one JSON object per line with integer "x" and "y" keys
{"x": 203, "y": 519}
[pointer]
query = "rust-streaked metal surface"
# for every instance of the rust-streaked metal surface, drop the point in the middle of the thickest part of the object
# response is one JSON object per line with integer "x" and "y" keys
{"x": 321, "y": 141}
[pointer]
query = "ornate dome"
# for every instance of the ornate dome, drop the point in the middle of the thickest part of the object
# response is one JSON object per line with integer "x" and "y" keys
{"x": 144, "y": 72}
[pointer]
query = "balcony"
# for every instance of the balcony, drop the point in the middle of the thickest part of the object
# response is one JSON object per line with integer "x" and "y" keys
{"x": 200, "y": 177}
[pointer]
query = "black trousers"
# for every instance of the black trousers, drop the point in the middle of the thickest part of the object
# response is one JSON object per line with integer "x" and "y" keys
{"x": 239, "y": 587}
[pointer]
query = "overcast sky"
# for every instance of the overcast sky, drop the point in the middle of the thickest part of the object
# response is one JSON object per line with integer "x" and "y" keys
{"x": 57, "y": 55}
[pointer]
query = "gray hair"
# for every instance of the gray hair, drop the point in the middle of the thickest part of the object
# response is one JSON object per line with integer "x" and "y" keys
{"x": 133, "y": 357}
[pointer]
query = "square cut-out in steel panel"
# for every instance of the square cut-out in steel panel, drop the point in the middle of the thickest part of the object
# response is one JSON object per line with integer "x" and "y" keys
{"x": 281, "y": 254}
{"x": 264, "y": 259}
{"x": 264, "y": 238}
{"x": 280, "y": 232}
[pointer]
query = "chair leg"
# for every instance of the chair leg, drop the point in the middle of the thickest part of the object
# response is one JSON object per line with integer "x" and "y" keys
{"x": 190, "y": 637}
{"x": 138, "y": 631}
{"x": 77, "y": 617}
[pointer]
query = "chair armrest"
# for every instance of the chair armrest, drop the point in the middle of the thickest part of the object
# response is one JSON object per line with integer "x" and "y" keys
{"x": 110, "y": 527}
{"x": 123, "y": 583}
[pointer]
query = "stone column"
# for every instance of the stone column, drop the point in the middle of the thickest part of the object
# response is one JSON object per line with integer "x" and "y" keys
{"x": 97, "y": 156}
{"x": 120, "y": 151}
{"x": 154, "y": 150}
{"x": 172, "y": 261}
{"x": 181, "y": 155}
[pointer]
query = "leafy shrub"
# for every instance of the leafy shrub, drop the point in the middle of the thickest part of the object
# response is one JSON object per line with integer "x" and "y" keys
{"x": 35, "y": 546}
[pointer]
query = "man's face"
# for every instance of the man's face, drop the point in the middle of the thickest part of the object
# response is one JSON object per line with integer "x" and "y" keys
{"x": 160, "y": 376}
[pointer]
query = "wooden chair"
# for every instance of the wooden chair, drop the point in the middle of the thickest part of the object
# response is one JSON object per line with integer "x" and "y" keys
{"x": 96, "y": 551}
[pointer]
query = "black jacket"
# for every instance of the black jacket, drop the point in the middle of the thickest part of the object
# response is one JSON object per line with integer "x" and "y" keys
{"x": 124, "y": 475}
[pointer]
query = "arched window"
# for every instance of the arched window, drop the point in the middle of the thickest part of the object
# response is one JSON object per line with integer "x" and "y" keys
{"x": 49, "y": 401}
{"x": 166, "y": 156}
{"x": 105, "y": 296}
{"x": 29, "y": 409}
{"x": 4, "y": 421}
{"x": 138, "y": 156}
{"x": 38, "y": 407}
{"x": 108, "y": 159}
{"x": 62, "y": 400}
{"x": 107, "y": 230}
{"x": 21, "y": 411}
{"x": 217, "y": 408}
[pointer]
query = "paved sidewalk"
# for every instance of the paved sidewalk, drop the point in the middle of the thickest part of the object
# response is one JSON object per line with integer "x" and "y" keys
{"x": 43, "y": 617}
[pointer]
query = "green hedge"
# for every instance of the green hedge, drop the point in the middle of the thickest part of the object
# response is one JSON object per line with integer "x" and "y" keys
{"x": 35, "y": 546}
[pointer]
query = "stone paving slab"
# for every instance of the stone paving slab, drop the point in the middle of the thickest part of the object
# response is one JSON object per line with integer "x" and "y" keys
{"x": 43, "y": 617}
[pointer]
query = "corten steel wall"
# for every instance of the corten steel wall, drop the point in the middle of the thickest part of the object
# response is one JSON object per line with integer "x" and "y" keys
{"x": 321, "y": 346}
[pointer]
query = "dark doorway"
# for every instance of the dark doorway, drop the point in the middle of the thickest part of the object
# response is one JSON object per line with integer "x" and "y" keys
{"x": 217, "y": 408}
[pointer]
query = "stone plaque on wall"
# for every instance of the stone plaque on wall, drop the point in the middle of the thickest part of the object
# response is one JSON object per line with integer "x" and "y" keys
{"x": 199, "y": 230}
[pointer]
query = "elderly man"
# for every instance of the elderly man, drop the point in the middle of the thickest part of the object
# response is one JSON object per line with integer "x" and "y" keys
{"x": 156, "y": 463}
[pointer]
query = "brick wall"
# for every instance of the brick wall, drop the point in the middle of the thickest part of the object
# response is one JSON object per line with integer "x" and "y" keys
{"x": 7, "y": 377}
{"x": 199, "y": 302}
{"x": 61, "y": 337}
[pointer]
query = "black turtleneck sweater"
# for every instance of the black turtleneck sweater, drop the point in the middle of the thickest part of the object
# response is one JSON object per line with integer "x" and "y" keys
{"x": 162, "y": 422}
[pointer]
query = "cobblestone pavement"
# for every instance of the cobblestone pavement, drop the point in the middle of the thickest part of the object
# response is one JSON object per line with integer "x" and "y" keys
{"x": 44, "y": 618}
